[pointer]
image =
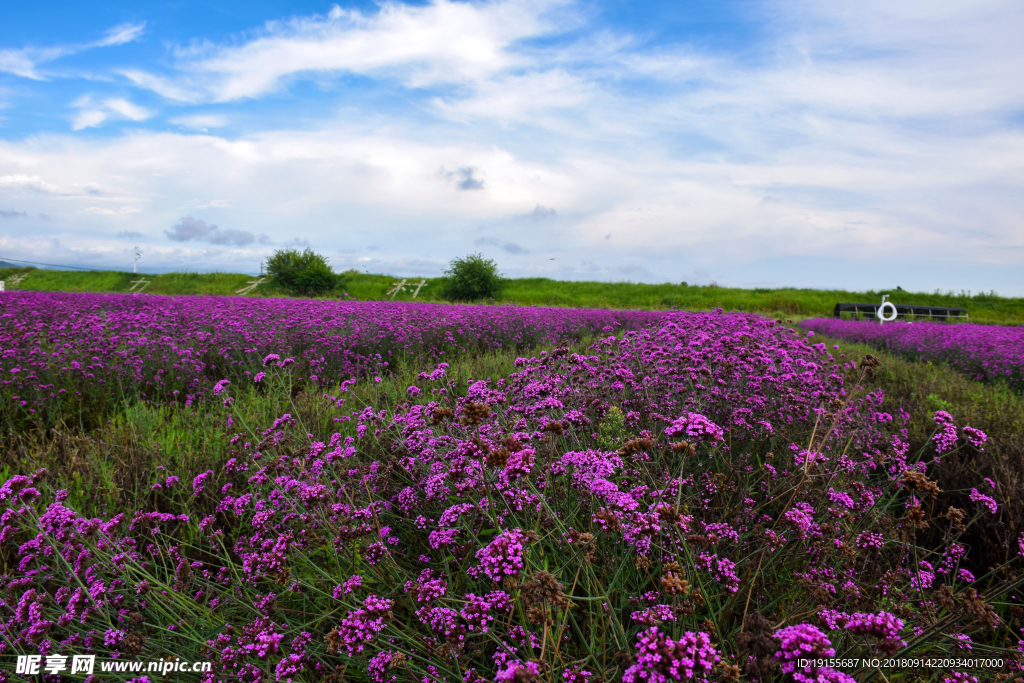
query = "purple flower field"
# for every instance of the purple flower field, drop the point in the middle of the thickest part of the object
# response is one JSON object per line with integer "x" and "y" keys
{"x": 691, "y": 497}
{"x": 987, "y": 353}
{"x": 65, "y": 353}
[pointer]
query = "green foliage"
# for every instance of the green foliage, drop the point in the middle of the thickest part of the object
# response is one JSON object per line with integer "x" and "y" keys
{"x": 305, "y": 273}
{"x": 472, "y": 278}
{"x": 939, "y": 403}
{"x": 612, "y": 430}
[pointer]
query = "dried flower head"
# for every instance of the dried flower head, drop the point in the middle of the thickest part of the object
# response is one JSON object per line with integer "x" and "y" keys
{"x": 474, "y": 413}
{"x": 729, "y": 672}
{"x": 978, "y": 609}
{"x": 944, "y": 596}
{"x": 539, "y": 614}
{"x": 543, "y": 588}
{"x": 917, "y": 481}
{"x": 635, "y": 446}
{"x": 673, "y": 584}
{"x": 440, "y": 414}
{"x": 498, "y": 458}
{"x": 956, "y": 518}
{"x": 556, "y": 428}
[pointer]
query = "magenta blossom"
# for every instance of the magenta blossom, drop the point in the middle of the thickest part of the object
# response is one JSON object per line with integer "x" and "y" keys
{"x": 504, "y": 555}
{"x": 697, "y": 427}
{"x": 660, "y": 659}
{"x": 807, "y": 642}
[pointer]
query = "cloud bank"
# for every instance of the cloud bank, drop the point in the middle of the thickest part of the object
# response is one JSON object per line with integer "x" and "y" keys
{"x": 854, "y": 147}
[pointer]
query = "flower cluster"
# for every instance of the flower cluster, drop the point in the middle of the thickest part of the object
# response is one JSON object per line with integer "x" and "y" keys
{"x": 660, "y": 659}
{"x": 362, "y": 625}
{"x": 807, "y": 642}
{"x": 697, "y": 427}
{"x": 883, "y": 626}
{"x": 503, "y": 556}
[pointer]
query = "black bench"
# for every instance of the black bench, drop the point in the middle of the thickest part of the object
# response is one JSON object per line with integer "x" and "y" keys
{"x": 903, "y": 310}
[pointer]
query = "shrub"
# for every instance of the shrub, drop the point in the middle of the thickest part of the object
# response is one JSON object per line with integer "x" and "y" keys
{"x": 472, "y": 277}
{"x": 301, "y": 272}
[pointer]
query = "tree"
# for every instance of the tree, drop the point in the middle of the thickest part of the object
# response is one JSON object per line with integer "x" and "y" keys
{"x": 471, "y": 278}
{"x": 301, "y": 272}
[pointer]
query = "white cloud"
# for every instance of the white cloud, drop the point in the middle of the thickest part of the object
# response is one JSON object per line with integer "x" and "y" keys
{"x": 92, "y": 113}
{"x": 107, "y": 211}
{"x": 443, "y": 42}
{"x": 215, "y": 204}
{"x": 21, "y": 181}
{"x": 522, "y": 98}
{"x": 178, "y": 90}
{"x": 19, "y": 63}
{"x": 648, "y": 204}
{"x": 25, "y": 61}
{"x": 119, "y": 35}
{"x": 201, "y": 121}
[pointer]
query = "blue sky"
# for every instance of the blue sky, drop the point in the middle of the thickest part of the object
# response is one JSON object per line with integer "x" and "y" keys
{"x": 753, "y": 143}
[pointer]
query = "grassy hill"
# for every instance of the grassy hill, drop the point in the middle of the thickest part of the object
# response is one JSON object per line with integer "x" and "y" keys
{"x": 792, "y": 303}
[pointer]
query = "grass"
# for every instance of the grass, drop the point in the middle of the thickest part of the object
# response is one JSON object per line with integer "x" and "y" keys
{"x": 779, "y": 303}
{"x": 117, "y": 281}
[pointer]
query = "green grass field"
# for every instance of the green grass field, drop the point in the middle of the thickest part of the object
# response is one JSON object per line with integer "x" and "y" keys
{"x": 779, "y": 303}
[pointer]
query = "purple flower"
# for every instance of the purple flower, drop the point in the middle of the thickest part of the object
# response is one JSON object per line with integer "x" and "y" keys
{"x": 362, "y": 625}
{"x": 807, "y": 642}
{"x": 652, "y": 616}
{"x": 989, "y": 353}
{"x": 352, "y": 582}
{"x": 576, "y": 674}
{"x": 987, "y": 501}
{"x": 442, "y": 538}
{"x": 379, "y": 667}
{"x": 429, "y": 586}
{"x": 723, "y": 569}
{"x": 516, "y": 670}
{"x": 504, "y": 555}
{"x": 883, "y": 626}
{"x": 292, "y": 665}
{"x": 975, "y": 437}
{"x": 696, "y": 427}
{"x": 197, "y": 482}
{"x": 659, "y": 658}
{"x": 958, "y": 677}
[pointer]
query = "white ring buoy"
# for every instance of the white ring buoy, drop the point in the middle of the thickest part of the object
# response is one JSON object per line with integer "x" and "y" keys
{"x": 882, "y": 317}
